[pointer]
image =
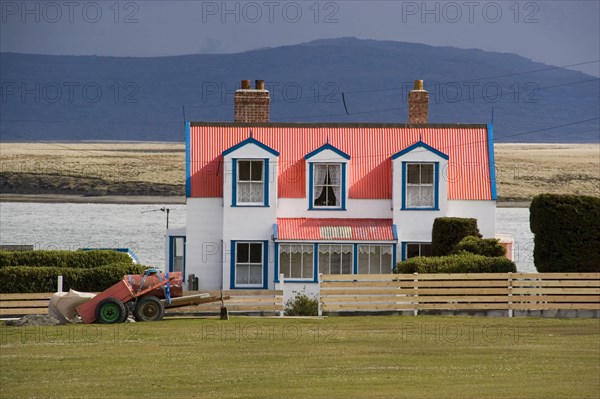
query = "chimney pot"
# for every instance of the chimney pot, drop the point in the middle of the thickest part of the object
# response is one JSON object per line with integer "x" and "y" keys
{"x": 260, "y": 84}
{"x": 245, "y": 85}
{"x": 418, "y": 103}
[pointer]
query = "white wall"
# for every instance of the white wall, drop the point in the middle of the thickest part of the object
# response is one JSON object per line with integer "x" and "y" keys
{"x": 483, "y": 211}
{"x": 355, "y": 208}
{"x": 203, "y": 243}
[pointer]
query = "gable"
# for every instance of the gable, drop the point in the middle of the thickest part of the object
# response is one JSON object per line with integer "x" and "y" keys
{"x": 370, "y": 148}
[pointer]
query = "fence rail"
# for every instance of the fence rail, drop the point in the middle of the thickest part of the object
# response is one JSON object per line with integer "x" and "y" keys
{"x": 241, "y": 301}
{"x": 457, "y": 292}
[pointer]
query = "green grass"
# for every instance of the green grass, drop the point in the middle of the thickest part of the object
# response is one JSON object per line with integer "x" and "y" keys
{"x": 343, "y": 357}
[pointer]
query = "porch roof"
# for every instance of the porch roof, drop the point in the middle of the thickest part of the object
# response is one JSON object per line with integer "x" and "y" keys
{"x": 328, "y": 229}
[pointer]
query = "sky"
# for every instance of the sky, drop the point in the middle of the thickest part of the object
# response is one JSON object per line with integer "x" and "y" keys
{"x": 553, "y": 32}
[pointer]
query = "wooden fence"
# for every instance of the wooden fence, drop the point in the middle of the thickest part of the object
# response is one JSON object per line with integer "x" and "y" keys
{"x": 457, "y": 292}
{"x": 241, "y": 301}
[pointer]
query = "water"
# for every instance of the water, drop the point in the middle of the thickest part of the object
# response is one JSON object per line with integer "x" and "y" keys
{"x": 142, "y": 227}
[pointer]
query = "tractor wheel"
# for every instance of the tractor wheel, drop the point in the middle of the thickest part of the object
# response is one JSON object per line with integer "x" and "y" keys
{"x": 148, "y": 308}
{"x": 109, "y": 311}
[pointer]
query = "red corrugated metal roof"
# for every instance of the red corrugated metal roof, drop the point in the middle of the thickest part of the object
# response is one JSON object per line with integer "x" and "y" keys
{"x": 370, "y": 149}
{"x": 335, "y": 229}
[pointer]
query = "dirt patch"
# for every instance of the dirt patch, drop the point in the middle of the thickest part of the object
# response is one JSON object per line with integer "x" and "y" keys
{"x": 33, "y": 320}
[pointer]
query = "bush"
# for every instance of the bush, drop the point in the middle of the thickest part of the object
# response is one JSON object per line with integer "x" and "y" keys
{"x": 567, "y": 233}
{"x": 448, "y": 231}
{"x": 480, "y": 246}
{"x": 302, "y": 305}
{"x": 72, "y": 259}
{"x": 23, "y": 279}
{"x": 461, "y": 263}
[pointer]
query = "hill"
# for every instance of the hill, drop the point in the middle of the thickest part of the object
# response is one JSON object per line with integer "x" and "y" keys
{"x": 125, "y": 98}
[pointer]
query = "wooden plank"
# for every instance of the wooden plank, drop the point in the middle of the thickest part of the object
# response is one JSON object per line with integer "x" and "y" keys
{"x": 555, "y": 306}
{"x": 359, "y": 277}
{"x": 340, "y": 284}
{"x": 463, "y": 306}
{"x": 372, "y": 291}
{"x": 20, "y": 297}
{"x": 558, "y": 276}
{"x": 556, "y": 283}
{"x": 361, "y": 298}
{"x": 22, "y": 311}
{"x": 466, "y": 299}
{"x": 24, "y": 304}
{"x": 367, "y": 307}
{"x": 555, "y": 290}
{"x": 465, "y": 283}
{"x": 462, "y": 291}
{"x": 459, "y": 276}
{"x": 557, "y": 298}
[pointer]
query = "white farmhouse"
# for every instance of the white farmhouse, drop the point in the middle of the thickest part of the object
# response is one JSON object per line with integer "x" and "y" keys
{"x": 271, "y": 200}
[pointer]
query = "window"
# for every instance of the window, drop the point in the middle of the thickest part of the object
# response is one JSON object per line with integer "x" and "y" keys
{"x": 327, "y": 185}
{"x": 418, "y": 249}
{"x": 296, "y": 261}
{"x": 420, "y": 191}
{"x": 374, "y": 259}
{"x": 249, "y": 263}
{"x": 335, "y": 259}
{"x": 250, "y": 182}
{"x": 177, "y": 254}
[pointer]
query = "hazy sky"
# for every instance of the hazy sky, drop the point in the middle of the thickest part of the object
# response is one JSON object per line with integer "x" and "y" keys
{"x": 553, "y": 32}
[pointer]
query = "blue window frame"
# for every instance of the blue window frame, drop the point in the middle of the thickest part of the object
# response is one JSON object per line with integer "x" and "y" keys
{"x": 327, "y": 186}
{"x": 249, "y": 264}
{"x": 250, "y": 182}
{"x": 177, "y": 255}
{"x": 411, "y": 249}
{"x": 420, "y": 186}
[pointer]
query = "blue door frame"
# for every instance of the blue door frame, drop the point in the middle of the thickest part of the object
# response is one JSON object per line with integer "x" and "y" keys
{"x": 172, "y": 252}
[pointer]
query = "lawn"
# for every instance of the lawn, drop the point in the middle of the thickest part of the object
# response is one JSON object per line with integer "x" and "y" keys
{"x": 338, "y": 357}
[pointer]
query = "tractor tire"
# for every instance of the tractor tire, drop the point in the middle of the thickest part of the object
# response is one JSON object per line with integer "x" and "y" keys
{"x": 148, "y": 308}
{"x": 110, "y": 311}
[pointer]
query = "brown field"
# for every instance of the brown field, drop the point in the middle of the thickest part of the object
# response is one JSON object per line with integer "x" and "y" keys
{"x": 158, "y": 169}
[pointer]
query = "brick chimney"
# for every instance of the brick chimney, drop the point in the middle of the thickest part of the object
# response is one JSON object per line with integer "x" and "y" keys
{"x": 251, "y": 105}
{"x": 418, "y": 101}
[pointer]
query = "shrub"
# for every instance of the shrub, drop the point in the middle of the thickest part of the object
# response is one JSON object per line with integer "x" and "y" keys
{"x": 448, "y": 231}
{"x": 72, "y": 259}
{"x": 460, "y": 263}
{"x": 567, "y": 233}
{"x": 23, "y": 279}
{"x": 302, "y": 305}
{"x": 479, "y": 246}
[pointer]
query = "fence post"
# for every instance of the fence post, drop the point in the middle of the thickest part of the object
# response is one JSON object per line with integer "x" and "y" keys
{"x": 510, "y": 287}
{"x": 281, "y": 286}
{"x": 416, "y": 287}
{"x": 59, "y": 285}
{"x": 320, "y": 311}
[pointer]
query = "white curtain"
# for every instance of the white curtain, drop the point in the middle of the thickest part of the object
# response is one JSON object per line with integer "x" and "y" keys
{"x": 296, "y": 248}
{"x": 320, "y": 176}
{"x": 419, "y": 196}
{"x": 244, "y": 192}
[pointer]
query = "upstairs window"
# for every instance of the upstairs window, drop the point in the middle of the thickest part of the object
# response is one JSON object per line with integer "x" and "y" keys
{"x": 327, "y": 185}
{"x": 250, "y": 182}
{"x": 420, "y": 185}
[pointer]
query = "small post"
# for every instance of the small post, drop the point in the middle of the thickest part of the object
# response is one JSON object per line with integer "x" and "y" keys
{"x": 320, "y": 311}
{"x": 416, "y": 287}
{"x": 224, "y": 312}
{"x": 510, "y": 287}
{"x": 59, "y": 286}
{"x": 281, "y": 286}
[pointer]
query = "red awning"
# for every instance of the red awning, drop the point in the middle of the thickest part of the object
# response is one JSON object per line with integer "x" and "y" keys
{"x": 306, "y": 229}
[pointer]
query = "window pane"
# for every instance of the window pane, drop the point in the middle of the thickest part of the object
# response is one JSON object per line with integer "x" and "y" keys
{"x": 323, "y": 261}
{"x": 334, "y": 199}
{"x": 257, "y": 170}
{"x": 307, "y": 264}
{"x": 256, "y": 253}
{"x": 386, "y": 263}
{"x": 242, "y": 252}
{"x": 426, "y": 198}
{"x": 363, "y": 259}
{"x": 347, "y": 264}
{"x": 284, "y": 263}
{"x": 412, "y": 250}
{"x": 335, "y": 266}
{"x": 426, "y": 173}
{"x": 241, "y": 274}
{"x": 256, "y": 194}
{"x": 244, "y": 192}
{"x": 412, "y": 174}
{"x": 243, "y": 170}
{"x": 426, "y": 250}
{"x": 255, "y": 274}
{"x": 296, "y": 267}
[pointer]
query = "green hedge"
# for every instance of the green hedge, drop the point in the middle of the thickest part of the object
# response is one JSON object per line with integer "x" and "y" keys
{"x": 461, "y": 263}
{"x": 567, "y": 233}
{"x": 480, "y": 246}
{"x": 22, "y": 279}
{"x": 448, "y": 231}
{"x": 70, "y": 259}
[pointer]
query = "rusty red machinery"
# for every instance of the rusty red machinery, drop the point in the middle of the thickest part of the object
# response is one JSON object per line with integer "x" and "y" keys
{"x": 146, "y": 296}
